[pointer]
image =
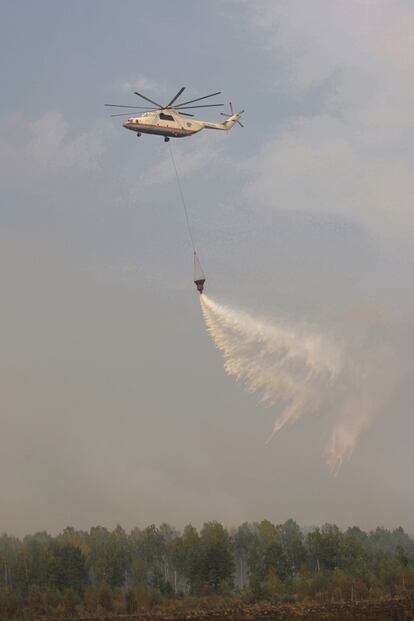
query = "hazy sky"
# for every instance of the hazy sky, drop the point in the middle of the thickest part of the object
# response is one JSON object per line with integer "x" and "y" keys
{"x": 115, "y": 405}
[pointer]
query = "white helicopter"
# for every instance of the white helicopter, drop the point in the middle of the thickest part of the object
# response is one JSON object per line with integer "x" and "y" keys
{"x": 169, "y": 121}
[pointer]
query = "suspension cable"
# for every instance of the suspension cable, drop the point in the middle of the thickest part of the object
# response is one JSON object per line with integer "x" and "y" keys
{"x": 187, "y": 220}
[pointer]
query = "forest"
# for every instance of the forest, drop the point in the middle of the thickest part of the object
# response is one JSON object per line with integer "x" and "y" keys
{"x": 100, "y": 571}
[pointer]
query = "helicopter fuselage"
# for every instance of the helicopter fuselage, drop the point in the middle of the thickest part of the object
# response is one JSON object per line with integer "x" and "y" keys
{"x": 170, "y": 124}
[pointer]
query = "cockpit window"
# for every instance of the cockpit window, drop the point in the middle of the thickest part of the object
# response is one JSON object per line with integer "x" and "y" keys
{"x": 166, "y": 117}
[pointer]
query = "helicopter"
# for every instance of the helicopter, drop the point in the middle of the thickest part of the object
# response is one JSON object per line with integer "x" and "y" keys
{"x": 168, "y": 121}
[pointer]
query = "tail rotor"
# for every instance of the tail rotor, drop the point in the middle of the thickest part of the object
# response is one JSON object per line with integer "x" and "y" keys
{"x": 233, "y": 113}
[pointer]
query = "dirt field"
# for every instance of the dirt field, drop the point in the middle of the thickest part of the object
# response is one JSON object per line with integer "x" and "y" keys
{"x": 384, "y": 610}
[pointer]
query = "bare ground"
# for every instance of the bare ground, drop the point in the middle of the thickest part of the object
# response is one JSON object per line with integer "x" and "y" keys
{"x": 397, "y": 609}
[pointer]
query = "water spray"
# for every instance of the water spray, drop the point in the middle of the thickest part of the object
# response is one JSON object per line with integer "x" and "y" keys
{"x": 297, "y": 369}
{"x": 286, "y": 365}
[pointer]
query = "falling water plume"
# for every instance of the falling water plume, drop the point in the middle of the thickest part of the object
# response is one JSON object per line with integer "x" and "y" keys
{"x": 300, "y": 370}
{"x": 288, "y": 366}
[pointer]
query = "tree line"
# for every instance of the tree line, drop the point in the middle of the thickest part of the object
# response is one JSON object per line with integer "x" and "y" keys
{"x": 78, "y": 572}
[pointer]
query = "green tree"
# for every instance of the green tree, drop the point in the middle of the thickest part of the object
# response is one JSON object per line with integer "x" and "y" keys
{"x": 149, "y": 566}
{"x": 39, "y": 545}
{"x": 187, "y": 556}
{"x": 109, "y": 558}
{"x": 389, "y": 572}
{"x": 292, "y": 542}
{"x": 9, "y": 549}
{"x": 268, "y": 557}
{"x": 272, "y": 585}
{"x": 324, "y": 547}
{"x": 274, "y": 558}
{"x": 353, "y": 556}
{"x": 169, "y": 537}
{"x": 23, "y": 570}
{"x": 66, "y": 568}
{"x": 244, "y": 540}
{"x": 216, "y": 556}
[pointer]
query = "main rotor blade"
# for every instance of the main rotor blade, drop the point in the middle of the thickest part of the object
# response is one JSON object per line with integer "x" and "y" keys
{"x": 150, "y": 100}
{"x": 123, "y": 114}
{"x": 186, "y": 114}
{"x": 199, "y": 98}
{"x": 176, "y": 97}
{"x": 136, "y": 107}
{"x": 224, "y": 114}
{"x": 178, "y": 108}
{"x": 231, "y": 107}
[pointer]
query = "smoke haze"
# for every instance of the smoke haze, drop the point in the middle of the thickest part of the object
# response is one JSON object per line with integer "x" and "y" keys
{"x": 114, "y": 403}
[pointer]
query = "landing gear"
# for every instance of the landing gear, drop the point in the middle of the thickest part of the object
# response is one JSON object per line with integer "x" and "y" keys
{"x": 138, "y": 134}
{"x": 166, "y": 139}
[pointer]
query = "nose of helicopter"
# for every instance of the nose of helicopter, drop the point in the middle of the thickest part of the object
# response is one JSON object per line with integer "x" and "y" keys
{"x": 125, "y": 124}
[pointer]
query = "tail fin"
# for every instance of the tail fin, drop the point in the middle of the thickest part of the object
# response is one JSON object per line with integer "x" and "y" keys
{"x": 230, "y": 121}
{"x": 233, "y": 117}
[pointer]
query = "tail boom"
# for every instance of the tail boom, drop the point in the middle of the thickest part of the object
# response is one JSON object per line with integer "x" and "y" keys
{"x": 223, "y": 126}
